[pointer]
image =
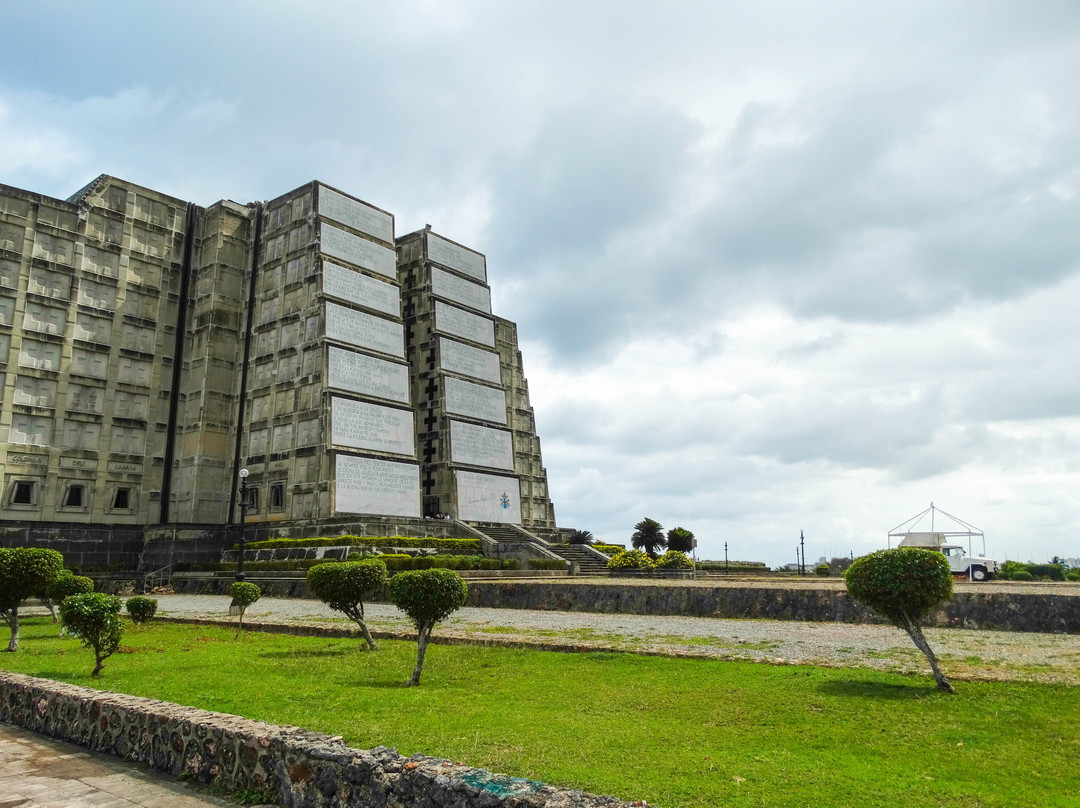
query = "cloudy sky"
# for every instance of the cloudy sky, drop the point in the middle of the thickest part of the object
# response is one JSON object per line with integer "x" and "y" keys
{"x": 777, "y": 266}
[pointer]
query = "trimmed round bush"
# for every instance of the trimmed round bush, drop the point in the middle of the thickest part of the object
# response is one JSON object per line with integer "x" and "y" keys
{"x": 674, "y": 560}
{"x": 67, "y": 583}
{"x": 343, "y": 587}
{"x": 903, "y": 585}
{"x": 630, "y": 560}
{"x": 1022, "y": 575}
{"x": 25, "y": 572}
{"x": 140, "y": 609}
{"x": 243, "y": 595}
{"x": 427, "y": 596}
{"x": 95, "y": 619}
{"x": 822, "y": 570}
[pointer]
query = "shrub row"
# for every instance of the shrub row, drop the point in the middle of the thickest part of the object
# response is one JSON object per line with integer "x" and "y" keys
{"x": 547, "y": 564}
{"x": 449, "y": 562}
{"x": 718, "y": 566}
{"x": 1016, "y": 571}
{"x": 609, "y": 549}
{"x": 366, "y": 541}
{"x": 393, "y": 562}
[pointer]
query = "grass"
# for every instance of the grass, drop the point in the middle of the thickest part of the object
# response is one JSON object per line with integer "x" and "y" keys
{"x": 675, "y": 732}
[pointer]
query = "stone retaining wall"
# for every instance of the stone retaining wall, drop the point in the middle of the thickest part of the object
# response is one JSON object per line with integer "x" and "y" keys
{"x": 302, "y": 768}
{"x": 991, "y": 610}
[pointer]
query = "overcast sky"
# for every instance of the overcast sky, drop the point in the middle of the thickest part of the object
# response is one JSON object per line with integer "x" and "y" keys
{"x": 776, "y": 266}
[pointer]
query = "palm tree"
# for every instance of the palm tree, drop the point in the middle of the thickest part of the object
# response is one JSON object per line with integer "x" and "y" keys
{"x": 648, "y": 536}
{"x": 681, "y": 539}
{"x": 579, "y": 537}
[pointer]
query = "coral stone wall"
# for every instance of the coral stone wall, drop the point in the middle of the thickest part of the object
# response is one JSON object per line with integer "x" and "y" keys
{"x": 302, "y": 768}
{"x": 1009, "y": 611}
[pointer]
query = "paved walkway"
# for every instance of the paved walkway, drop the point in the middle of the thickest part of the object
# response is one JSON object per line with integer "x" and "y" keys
{"x": 39, "y": 772}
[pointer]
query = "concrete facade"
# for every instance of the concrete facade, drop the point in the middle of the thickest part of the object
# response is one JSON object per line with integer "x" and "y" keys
{"x": 151, "y": 348}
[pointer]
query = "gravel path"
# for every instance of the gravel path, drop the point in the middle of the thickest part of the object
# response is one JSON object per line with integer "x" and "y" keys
{"x": 997, "y": 655}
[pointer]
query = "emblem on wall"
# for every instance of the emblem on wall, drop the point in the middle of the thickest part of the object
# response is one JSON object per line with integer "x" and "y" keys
{"x": 505, "y": 500}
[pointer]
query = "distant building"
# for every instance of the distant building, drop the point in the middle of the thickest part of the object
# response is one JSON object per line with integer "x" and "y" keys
{"x": 153, "y": 347}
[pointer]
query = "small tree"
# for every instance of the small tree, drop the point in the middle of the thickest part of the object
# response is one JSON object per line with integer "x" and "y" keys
{"x": 903, "y": 585}
{"x": 681, "y": 539}
{"x": 24, "y": 572}
{"x": 579, "y": 537}
{"x": 343, "y": 585}
{"x": 243, "y": 595}
{"x": 427, "y": 596}
{"x": 648, "y": 536}
{"x": 95, "y": 619}
{"x": 65, "y": 584}
{"x": 140, "y": 609}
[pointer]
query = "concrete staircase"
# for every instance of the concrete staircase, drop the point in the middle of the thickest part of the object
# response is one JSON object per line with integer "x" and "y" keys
{"x": 587, "y": 562}
{"x": 505, "y": 533}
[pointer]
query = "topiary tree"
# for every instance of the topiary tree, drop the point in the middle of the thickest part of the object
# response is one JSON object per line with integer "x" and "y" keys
{"x": 140, "y": 609}
{"x": 681, "y": 539}
{"x": 630, "y": 560}
{"x": 674, "y": 560}
{"x": 243, "y": 595}
{"x": 427, "y": 596}
{"x": 95, "y": 619}
{"x": 903, "y": 585}
{"x": 343, "y": 586}
{"x": 648, "y": 536}
{"x": 822, "y": 570}
{"x": 65, "y": 584}
{"x": 579, "y": 537}
{"x": 25, "y": 572}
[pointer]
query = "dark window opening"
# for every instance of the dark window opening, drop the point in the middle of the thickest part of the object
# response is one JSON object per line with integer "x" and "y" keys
{"x": 23, "y": 494}
{"x": 74, "y": 496}
{"x": 252, "y": 499}
{"x": 277, "y": 496}
{"x": 122, "y": 499}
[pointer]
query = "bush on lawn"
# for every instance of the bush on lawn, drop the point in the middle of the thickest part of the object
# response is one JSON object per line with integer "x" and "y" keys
{"x": 243, "y": 595}
{"x": 343, "y": 587}
{"x": 903, "y": 585}
{"x": 822, "y": 570}
{"x": 140, "y": 609}
{"x": 427, "y": 596}
{"x": 95, "y": 619}
{"x": 65, "y": 584}
{"x": 25, "y": 572}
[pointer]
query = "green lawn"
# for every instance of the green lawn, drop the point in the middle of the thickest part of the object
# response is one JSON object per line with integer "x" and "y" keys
{"x": 675, "y": 732}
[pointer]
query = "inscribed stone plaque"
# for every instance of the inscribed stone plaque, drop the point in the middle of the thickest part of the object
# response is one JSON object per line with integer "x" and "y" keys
{"x": 382, "y": 487}
{"x": 457, "y": 357}
{"x": 460, "y": 290}
{"x": 355, "y": 214}
{"x": 371, "y": 426}
{"x": 365, "y": 374}
{"x": 481, "y": 446}
{"x": 361, "y": 289}
{"x": 475, "y": 400}
{"x": 455, "y": 257}
{"x": 356, "y": 250}
{"x": 461, "y": 323}
{"x": 487, "y": 498}
{"x": 364, "y": 330}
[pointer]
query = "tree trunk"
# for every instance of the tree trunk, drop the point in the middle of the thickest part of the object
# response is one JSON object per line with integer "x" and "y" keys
{"x": 51, "y": 607}
{"x": 915, "y": 632}
{"x": 13, "y": 623}
{"x": 367, "y": 635}
{"x": 100, "y": 664}
{"x": 422, "y": 637}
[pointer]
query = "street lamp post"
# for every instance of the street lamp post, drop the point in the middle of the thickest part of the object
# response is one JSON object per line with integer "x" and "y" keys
{"x": 725, "y": 557}
{"x": 245, "y": 503}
